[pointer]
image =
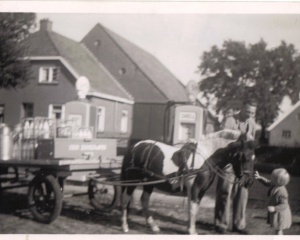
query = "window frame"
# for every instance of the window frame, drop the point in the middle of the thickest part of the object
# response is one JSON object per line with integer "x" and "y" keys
{"x": 50, "y": 79}
{"x": 24, "y": 110}
{"x": 51, "y": 108}
{"x": 101, "y": 126}
{"x": 124, "y": 121}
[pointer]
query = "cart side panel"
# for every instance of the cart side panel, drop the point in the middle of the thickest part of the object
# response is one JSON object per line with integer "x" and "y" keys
{"x": 77, "y": 149}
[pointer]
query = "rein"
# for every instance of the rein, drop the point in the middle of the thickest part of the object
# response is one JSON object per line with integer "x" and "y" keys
{"x": 216, "y": 169}
{"x": 187, "y": 173}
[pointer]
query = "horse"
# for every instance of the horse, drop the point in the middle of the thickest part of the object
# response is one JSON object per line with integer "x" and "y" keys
{"x": 196, "y": 162}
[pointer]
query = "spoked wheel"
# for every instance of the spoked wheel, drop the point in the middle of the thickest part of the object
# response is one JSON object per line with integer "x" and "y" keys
{"x": 103, "y": 197}
{"x": 45, "y": 198}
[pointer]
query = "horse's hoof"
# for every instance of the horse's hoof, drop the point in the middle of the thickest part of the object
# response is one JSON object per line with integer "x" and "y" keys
{"x": 155, "y": 229}
{"x": 192, "y": 231}
{"x": 125, "y": 228}
{"x": 153, "y": 225}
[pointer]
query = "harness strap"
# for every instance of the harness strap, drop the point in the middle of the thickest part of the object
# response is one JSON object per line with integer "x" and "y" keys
{"x": 148, "y": 156}
{"x": 216, "y": 169}
{"x": 194, "y": 155}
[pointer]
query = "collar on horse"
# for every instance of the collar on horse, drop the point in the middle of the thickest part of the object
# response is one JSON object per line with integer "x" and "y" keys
{"x": 183, "y": 169}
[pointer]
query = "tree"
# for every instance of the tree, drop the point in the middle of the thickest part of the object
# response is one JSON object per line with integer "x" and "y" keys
{"x": 237, "y": 73}
{"x": 14, "y": 28}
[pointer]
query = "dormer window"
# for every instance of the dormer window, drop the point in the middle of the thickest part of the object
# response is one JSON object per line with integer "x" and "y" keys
{"x": 48, "y": 75}
{"x": 122, "y": 71}
{"x": 97, "y": 43}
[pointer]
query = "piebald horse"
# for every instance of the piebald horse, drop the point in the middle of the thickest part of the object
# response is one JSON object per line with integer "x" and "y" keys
{"x": 198, "y": 162}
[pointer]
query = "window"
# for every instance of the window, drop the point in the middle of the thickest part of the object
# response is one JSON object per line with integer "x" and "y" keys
{"x": 100, "y": 119}
{"x": 124, "y": 121}
{"x": 1, "y": 113}
{"x": 48, "y": 75}
{"x": 56, "y": 111}
{"x": 27, "y": 110}
{"x": 97, "y": 43}
{"x": 286, "y": 134}
{"x": 122, "y": 71}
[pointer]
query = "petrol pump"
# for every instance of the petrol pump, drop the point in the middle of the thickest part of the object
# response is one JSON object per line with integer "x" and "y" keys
{"x": 183, "y": 122}
{"x": 188, "y": 123}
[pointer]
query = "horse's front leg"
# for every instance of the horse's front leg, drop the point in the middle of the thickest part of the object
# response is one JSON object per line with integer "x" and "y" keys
{"x": 126, "y": 198}
{"x": 194, "y": 206}
{"x": 194, "y": 210}
{"x": 145, "y": 198}
{"x": 197, "y": 192}
{"x": 188, "y": 184}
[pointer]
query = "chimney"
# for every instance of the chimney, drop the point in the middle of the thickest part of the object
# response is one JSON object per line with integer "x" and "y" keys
{"x": 45, "y": 25}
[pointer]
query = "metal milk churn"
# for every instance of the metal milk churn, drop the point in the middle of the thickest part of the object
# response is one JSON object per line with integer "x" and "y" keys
{"x": 5, "y": 142}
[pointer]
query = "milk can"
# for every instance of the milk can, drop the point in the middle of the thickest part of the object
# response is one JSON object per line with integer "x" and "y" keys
{"x": 5, "y": 142}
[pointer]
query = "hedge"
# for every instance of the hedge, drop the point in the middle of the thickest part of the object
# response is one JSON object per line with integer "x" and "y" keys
{"x": 269, "y": 158}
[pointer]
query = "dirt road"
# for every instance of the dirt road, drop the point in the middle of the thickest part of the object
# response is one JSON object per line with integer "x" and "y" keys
{"x": 78, "y": 217}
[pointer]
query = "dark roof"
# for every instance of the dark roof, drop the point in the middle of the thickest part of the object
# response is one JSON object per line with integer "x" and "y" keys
{"x": 40, "y": 44}
{"x": 49, "y": 43}
{"x": 171, "y": 88}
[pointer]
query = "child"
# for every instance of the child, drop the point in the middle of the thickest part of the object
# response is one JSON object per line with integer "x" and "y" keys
{"x": 279, "y": 212}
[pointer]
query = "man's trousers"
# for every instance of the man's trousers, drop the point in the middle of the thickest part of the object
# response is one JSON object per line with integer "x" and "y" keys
{"x": 225, "y": 191}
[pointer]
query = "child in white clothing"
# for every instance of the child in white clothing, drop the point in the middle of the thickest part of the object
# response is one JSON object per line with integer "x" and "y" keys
{"x": 279, "y": 212}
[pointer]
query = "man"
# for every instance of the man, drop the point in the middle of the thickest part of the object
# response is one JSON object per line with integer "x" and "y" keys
{"x": 245, "y": 122}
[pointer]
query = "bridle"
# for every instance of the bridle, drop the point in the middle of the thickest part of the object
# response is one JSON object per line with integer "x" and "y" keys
{"x": 216, "y": 169}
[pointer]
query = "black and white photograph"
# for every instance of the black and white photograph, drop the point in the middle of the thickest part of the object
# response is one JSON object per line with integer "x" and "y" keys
{"x": 161, "y": 118}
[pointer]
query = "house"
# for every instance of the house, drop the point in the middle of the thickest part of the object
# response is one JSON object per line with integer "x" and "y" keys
{"x": 153, "y": 87}
{"x": 56, "y": 63}
{"x": 128, "y": 84}
{"x": 285, "y": 132}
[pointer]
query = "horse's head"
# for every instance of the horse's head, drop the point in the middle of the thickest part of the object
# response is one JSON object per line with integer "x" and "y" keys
{"x": 242, "y": 159}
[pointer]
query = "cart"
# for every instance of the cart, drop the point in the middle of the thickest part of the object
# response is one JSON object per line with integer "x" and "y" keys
{"x": 46, "y": 180}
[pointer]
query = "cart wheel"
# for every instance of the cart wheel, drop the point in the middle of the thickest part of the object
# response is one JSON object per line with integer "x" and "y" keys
{"x": 45, "y": 198}
{"x": 103, "y": 197}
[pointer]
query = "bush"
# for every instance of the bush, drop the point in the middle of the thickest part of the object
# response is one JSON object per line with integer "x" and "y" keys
{"x": 269, "y": 158}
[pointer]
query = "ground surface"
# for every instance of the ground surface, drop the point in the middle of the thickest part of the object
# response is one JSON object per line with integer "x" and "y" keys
{"x": 78, "y": 217}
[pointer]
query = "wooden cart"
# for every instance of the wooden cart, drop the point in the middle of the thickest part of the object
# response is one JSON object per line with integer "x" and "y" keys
{"x": 46, "y": 180}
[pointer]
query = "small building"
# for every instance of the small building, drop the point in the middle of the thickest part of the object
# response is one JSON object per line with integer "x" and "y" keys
{"x": 56, "y": 63}
{"x": 285, "y": 132}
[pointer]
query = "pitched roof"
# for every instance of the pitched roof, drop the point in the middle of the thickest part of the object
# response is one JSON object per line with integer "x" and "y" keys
{"x": 40, "y": 44}
{"x": 49, "y": 43}
{"x": 171, "y": 88}
{"x": 285, "y": 115}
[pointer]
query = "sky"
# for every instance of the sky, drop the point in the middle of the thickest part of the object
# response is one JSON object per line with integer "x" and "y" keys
{"x": 176, "y": 34}
{"x": 179, "y": 40}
